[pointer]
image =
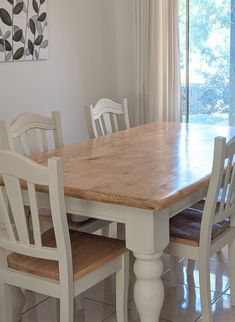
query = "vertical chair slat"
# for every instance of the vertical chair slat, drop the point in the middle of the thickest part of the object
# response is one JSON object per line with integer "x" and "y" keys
{"x": 33, "y": 142}
{"x": 126, "y": 115}
{"x": 225, "y": 186}
{"x": 34, "y": 214}
{"x": 101, "y": 126}
{"x": 230, "y": 194}
{"x": 5, "y": 216}
{"x": 107, "y": 122}
{"x": 13, "y": 190}
{"x": 23, "y": 145}
{"x": 115, "y": 122}
{"x": 44, "y": 140}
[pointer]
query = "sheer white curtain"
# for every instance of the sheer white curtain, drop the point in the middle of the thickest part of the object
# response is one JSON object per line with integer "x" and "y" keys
{"x": 157, "y": 61}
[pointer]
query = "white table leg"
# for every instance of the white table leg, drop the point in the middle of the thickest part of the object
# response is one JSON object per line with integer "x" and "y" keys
{"x": 148, "y": 290}
{"x": 147, "y": 236}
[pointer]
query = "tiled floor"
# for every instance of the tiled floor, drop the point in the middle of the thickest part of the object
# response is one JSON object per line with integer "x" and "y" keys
{"x": 183, "y": 300}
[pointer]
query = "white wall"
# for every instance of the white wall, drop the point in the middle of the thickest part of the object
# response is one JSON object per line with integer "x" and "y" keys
{"x": 125, "y": 42}
{"x": 81, "y": 68}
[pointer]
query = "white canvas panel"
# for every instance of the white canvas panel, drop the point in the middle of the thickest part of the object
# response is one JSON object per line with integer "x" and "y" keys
{"x": 23, "y": 30}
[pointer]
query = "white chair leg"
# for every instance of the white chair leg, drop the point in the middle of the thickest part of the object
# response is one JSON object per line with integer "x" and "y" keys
{"x": 6, "y": 308}
{"x": 57, "y": 310}
{"x": 122, "y": 281}
{"x": 134, "y": 312}
{"x": 66, "y": 308}
{"x": 231, "y": 265}
{"x": 204, "y": 277}
{"x": 105, "y": 231}
{"x": 18, "y": 301}
{"x": 174, "y": 271}
{"x": 191, "y": 267}
{"x": 121, "y": 231}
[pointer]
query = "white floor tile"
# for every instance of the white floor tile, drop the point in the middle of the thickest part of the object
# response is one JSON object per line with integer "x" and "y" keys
{"x": 47, "y": 312}
{"x": 104, "y": 292}
{"x": 113, "y": 318}
{"x": 32, "y": 299}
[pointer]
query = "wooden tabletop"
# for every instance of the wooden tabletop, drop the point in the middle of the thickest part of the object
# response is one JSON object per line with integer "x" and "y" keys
{"x": 150, "y": 166}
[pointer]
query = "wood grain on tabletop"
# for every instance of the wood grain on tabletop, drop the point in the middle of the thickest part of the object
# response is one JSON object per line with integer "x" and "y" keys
{"x": 150, "y": 167}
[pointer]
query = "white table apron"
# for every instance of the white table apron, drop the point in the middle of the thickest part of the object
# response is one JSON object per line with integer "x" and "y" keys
{"x": 147, "y": 235}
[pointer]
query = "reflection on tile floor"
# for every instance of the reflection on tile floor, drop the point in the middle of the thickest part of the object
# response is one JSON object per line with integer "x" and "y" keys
{"x": 184, "y": 303}
{"x": 219, "y": 275}
{"x": 183, "y": 300}
{"x": 47, "y": 312}
{"x": 222, "y": 311}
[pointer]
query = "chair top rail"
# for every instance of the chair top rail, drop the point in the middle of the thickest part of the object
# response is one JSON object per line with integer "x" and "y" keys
{"x": 10, "y": 163}
{"x": 28, "y": 121}
{"x": 106, "y": 105}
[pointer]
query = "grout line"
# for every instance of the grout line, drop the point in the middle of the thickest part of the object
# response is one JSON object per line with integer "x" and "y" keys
{"x": 198, "y": 318}
{"x": 224, "y": 292}
{"x": 97, "y": 301}
{"x": 33, "y": 307}
{"x": 213, "y": 302}
{"x": 114, "y": 313}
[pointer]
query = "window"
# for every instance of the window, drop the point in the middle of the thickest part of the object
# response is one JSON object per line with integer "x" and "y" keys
{"x": 207, "y": 40}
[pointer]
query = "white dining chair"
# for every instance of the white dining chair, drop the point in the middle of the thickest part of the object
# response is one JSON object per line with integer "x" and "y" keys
{"x": 104, "y": 117}
{"x": 109, "y": 117}
{"x": 31, "y": 133}
{"x": 198, "y": 235}
{"x": 105, "y": 114}
{"x": 59, "y": 263}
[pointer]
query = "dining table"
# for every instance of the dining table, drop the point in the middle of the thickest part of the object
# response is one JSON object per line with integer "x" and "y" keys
{"x": 140, "y": 177}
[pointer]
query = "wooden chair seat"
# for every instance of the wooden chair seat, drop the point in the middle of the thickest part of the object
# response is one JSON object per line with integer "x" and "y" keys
{"x": 201, "y": 203}
{"x": 185, "y": 227}
{"x": 89, "y": 253}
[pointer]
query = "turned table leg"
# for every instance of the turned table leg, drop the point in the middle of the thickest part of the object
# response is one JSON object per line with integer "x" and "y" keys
{"x": 147, "y": 235}
{"x": 148, "y": 289}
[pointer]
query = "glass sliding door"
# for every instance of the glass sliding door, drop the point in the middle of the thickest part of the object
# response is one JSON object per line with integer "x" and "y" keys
{"x": 207, "y": 39}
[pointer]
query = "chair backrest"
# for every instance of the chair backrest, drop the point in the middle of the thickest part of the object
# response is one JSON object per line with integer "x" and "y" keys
{"x": 104, "y": 116}
{"x": 222, "y": 184}
{"x": 31, "y": 132}
{"x": 14, "y": 168}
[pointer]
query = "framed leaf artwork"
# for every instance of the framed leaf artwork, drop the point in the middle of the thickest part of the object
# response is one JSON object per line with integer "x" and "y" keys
{"x": 23, "y": 30}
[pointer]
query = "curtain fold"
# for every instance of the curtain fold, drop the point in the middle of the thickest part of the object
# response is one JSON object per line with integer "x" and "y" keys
{"x": 157, "y": 61}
